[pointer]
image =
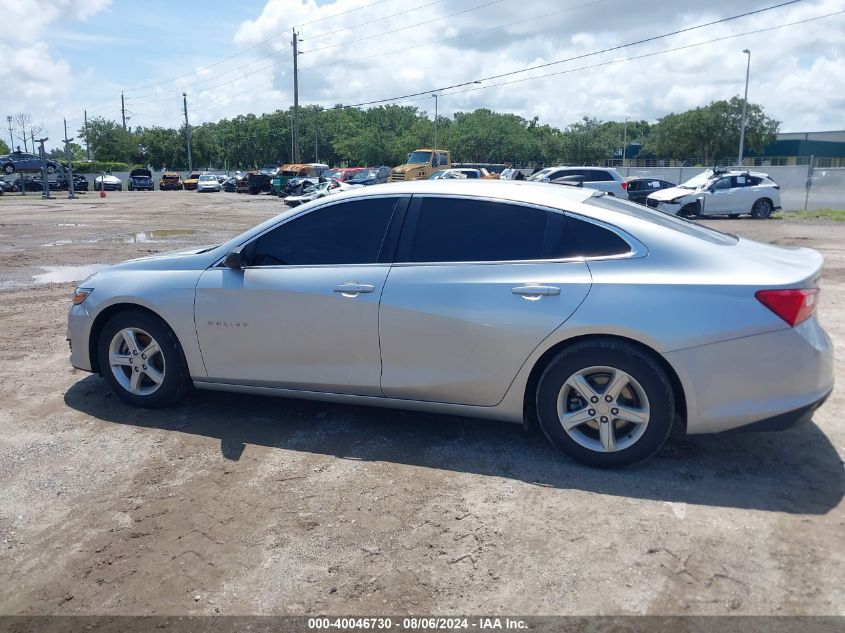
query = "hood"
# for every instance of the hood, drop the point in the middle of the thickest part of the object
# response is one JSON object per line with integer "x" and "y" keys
{"x": 402, "y": 169}
{"x": 140, "y": 173}
{"x": 107, "y": 178}
{"x": 192, "y": 259}
{"x": 664, "y": 195}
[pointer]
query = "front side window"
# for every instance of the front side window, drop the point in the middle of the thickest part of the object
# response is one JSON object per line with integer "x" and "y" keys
{"x": 466, "y": 230}
{"x": 344, "y": 233}
{"x": 722, "y": 184}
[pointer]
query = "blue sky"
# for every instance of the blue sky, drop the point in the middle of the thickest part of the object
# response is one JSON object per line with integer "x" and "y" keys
{"x": 69, "y": 55}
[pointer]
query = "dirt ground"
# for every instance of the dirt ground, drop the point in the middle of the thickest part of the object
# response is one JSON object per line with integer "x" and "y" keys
{"x": 242, "y": 505}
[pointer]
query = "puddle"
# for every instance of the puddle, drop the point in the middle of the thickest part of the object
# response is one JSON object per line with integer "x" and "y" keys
{"x": 151, "y": 236}
{"x": 64, "y": 274}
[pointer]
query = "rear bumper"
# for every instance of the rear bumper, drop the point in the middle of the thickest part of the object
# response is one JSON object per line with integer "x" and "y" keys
{"x": 774, "y": 378}
{"x": 787, "y": 420}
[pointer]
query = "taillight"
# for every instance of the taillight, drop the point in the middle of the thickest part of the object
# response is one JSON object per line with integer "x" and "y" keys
{"x": 792, "y": 305}
{"x": 624, "y": 185}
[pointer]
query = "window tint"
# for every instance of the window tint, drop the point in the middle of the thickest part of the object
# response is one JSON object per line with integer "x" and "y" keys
{"x": 597, "y": 175}
{"x": 572, "y": 237}
{"x": 634, "y": 185}
{"x": 464, "y": 230}
{"x": 722, "y": 183}
{"x": 344, "y": 233}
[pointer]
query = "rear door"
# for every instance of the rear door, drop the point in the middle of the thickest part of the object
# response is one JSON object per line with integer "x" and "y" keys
{"x": 470, "y": 297}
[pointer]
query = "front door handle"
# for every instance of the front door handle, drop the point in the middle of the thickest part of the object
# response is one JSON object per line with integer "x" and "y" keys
{"x": 536, "y": 290}
{"x": 353, "y": 288}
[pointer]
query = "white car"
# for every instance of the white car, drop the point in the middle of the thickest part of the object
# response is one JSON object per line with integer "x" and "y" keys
{"x": 459, "y": 172}
{"x": 208, "y": 182}
{"x": 107, "y": 182}
{"x": 720, "y": 192}
{"x": 319, "y": 190}
{"x": 601, "y": 178}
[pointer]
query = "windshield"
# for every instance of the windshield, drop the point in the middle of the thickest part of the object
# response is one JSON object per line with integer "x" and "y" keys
{"x": 333, "y": 173}
{"x": 208, "y": 177}
{"x": 416, "y": 158}
{"x": 193, "y": 176}
{"x": 540, "y": 174}
{"x": 365, "y": 175}
{"x": 697, "y": 182}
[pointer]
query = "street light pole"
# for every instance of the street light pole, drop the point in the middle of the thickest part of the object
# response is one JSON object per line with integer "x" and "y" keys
{"x": 11, "y": 138}
{"x": 744, "y": 109}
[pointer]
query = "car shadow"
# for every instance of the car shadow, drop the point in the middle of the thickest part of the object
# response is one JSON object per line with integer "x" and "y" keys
{"x": 796, "y": 471}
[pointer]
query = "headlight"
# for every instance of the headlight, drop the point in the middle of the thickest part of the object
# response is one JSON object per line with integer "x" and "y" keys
{"x": 81, "y": 294}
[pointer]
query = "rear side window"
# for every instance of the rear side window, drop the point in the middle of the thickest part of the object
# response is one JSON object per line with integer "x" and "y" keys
{"x": 572, "y": 237}
{"x": 597, "y": 175}
{"x": 466, "y": 230}
{"x": 343, "y": 233}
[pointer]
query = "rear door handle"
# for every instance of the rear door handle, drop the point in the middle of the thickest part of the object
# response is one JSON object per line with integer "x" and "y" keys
{"x": 352, "y": 288}
{"x": 536, "y": 290}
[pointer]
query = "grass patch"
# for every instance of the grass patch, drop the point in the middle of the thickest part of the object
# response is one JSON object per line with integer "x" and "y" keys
{"x": 836, "y": 215}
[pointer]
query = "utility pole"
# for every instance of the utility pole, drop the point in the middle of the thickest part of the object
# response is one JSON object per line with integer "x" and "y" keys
{"x": 187, "y": 131}
{"x": 87, "y": 146}
{"x": 122, "y": 111}
{"x": 11, "y": 136}
{"x": 744, "y": 109}
{"x": 435, "y": 124}
{"x": 70, "y": 193}
{"x": 45, "y": 187}
{"x": 624, "y": 142}
{"x": 294, "y": 42}
{"x": 316, "y": 132}
{"x": 290, "y": 120}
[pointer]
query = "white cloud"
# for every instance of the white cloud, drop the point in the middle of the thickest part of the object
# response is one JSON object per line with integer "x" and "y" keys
{"x": 353, "y": 52}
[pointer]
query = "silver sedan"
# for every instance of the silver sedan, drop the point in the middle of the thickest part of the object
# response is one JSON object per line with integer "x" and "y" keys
{"x": 601, "y": 321}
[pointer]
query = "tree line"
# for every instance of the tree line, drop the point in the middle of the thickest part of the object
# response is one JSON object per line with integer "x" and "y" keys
{"x": 385, "y": 134}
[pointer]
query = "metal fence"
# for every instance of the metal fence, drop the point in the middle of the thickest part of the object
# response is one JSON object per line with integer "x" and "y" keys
{"x": 801, "y": 186}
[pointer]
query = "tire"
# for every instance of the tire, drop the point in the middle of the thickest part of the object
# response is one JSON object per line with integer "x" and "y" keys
{"x": 51, "y": 169}
{"x": 762, "y": 209}
{"x": 9, "y": 168}
{"x": 129, "y": 187}
{"x": 120, "y": 188}
{"x": 605, "y": 441}
{"x": 168, "y": 364}
{"x": 733, "y": 216}
{"x": 690, "y": 210}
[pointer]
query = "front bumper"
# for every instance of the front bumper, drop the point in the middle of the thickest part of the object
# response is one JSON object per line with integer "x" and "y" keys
{"x": 774, "y": 378}
{"x": 79, "y": 324}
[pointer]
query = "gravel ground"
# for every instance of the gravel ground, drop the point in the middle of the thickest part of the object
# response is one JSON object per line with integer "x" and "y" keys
{"x": 238, "y": 505}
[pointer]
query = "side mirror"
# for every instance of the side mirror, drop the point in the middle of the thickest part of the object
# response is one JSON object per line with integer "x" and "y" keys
{"x": 233, "y": 260}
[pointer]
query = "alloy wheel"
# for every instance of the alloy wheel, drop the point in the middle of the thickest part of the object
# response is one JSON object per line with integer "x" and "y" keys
{"x": 136, "y": 361}
{"x": 603, "y": 409}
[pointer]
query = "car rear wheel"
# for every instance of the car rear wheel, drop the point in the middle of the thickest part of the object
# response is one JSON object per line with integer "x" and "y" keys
{"x": 605, "y": 403}
{"x": 761, "y": 209}
{"x": 8, "y": 168}
{"x": 51, "y": 169}
{"x": 141, "y": 359}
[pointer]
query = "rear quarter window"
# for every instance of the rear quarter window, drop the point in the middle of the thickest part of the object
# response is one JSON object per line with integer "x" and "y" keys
{"x": 671, "y": 222}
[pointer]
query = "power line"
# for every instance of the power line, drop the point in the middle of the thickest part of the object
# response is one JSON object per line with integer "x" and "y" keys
{"x": 258, "y": 44}
{"x": 582, "y": 56}
{"x": 412, "y": 26}
{"x": 652, "y": 54}
{"x": 381, "y": 19}
{"x": 454, "y": 37}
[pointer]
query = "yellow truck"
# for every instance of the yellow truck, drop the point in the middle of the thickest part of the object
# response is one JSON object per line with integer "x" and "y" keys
{"x": 421, "y": 164}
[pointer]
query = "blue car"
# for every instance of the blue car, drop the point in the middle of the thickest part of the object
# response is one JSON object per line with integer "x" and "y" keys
{"x": 370, "y": 176}
{"x": 21, "y": 161}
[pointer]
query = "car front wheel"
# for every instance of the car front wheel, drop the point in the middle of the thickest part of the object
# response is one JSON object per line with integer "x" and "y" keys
{"x": 51, "y": 169}
{"x": 761, "y": 209}
{"x": 605, "y": 403}
{"x": 141, "y": 359}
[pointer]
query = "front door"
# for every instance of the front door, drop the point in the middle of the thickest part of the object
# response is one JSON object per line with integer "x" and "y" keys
{"x": 303, "y": 313}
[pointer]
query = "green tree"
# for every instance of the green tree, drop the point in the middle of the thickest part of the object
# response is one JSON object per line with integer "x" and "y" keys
{"x": 4, "y": 149}
{"x": 109, "y": 141}
{"x": 711, "y": 132}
